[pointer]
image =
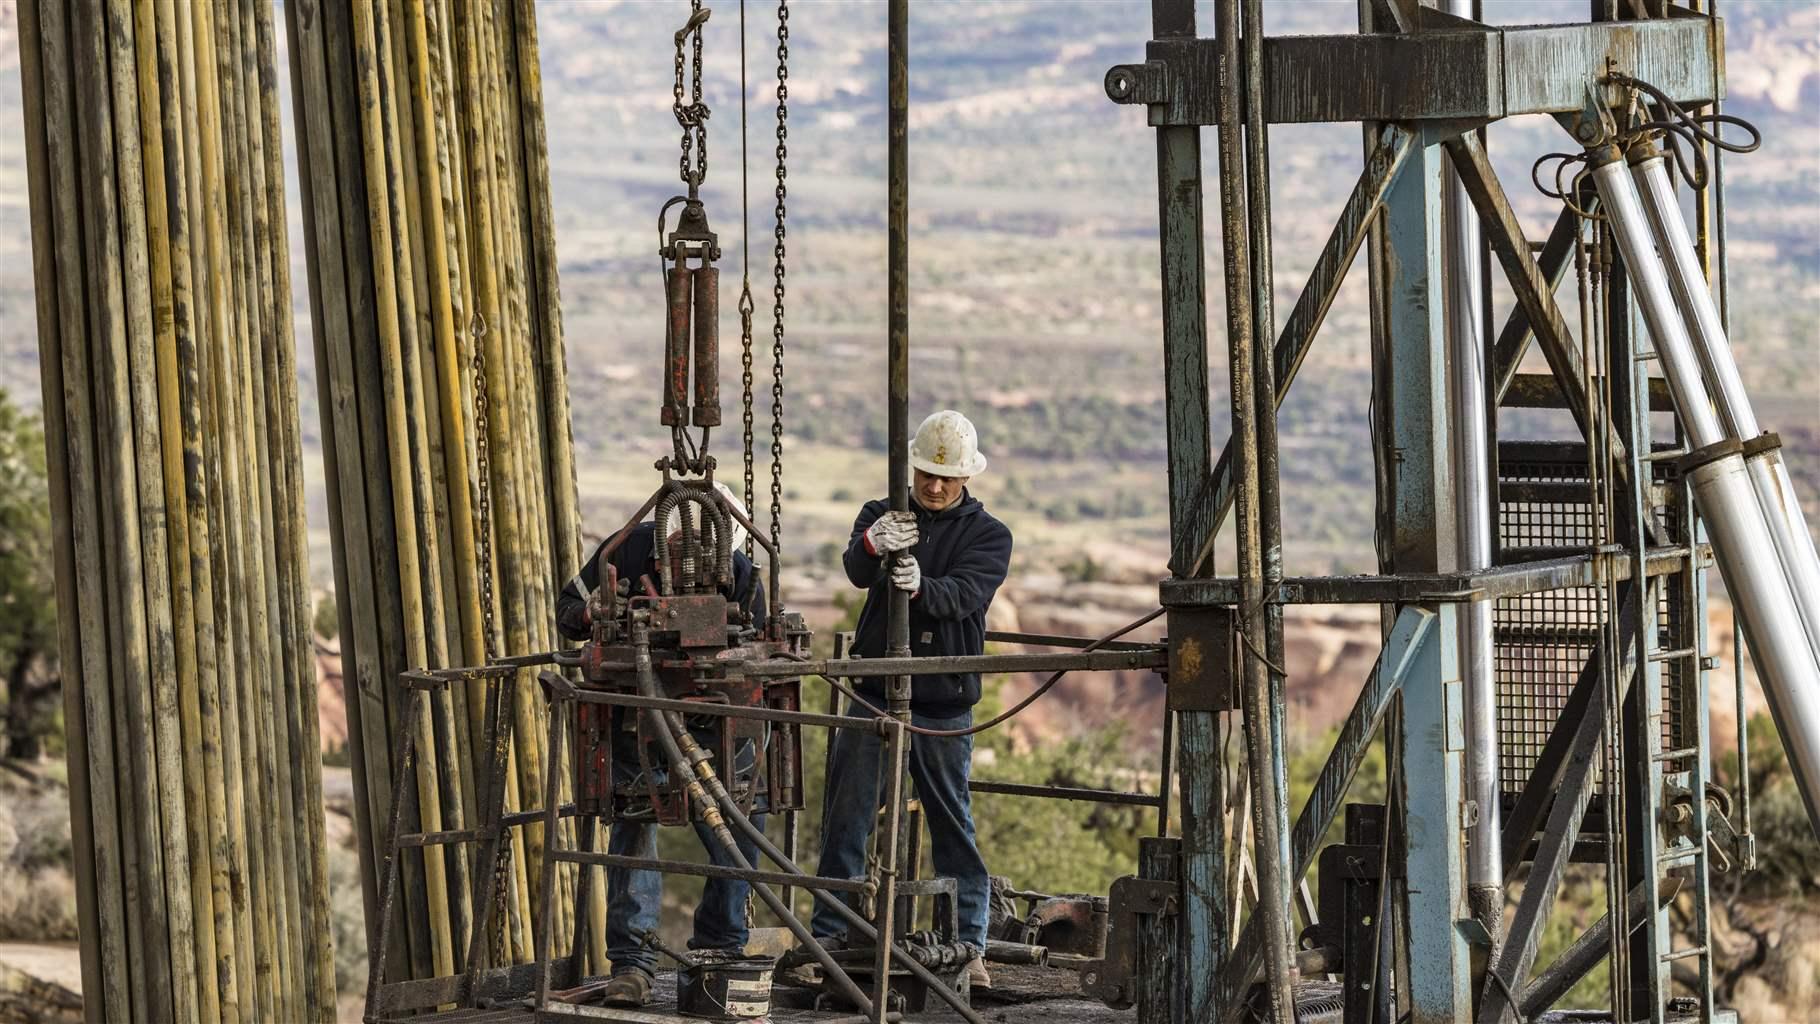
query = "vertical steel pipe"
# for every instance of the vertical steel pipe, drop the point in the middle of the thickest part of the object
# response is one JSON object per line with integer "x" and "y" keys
{"x": 1262, "y": 758}
{"x": 160, "y": 427}
{"x": 897, "y": 623}
{"x": 1273, "y": 849}
{"x": 1769, "y": 475}
{"x": 1747, "y": 557}
{"x": 897, "y": 133}
{"x": 1473, "y": 513}
{"x": 45, "y": 92}
{"x": 897, "y": 742}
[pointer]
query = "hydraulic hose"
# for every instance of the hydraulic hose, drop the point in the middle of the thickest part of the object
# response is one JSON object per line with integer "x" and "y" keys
{"x": 682, "y": 751}
{"x": 705, "y": 772}
{"x": 663, "y": 728}
{"x": 1014, "y": 710}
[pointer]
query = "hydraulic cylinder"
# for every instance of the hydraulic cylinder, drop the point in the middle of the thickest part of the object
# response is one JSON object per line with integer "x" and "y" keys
{"x": 679, "y": 296}
{"x": 707, "y": 347}
{"x": 1742, "y": 540}
{"x": 1762, "y": 457}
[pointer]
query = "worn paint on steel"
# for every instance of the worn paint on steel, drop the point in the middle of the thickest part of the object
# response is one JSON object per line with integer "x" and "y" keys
{"x": 1312, "y": 306}
{"x": 1451, "y": 73}
{"x": 1408, "y": 638}
{"x": 1184, "y": 272}
{"x": 1202, "y": 934}
{"x": 1423, "y": 541}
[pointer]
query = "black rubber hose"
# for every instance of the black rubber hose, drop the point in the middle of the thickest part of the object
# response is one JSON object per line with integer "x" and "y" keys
{"x": 782, "y": 860}
{"x": 661, "y": 727}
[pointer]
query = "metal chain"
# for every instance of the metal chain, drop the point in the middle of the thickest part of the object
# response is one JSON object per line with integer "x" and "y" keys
{"x": 693, "y": 116}
{"x": 501, "y": 860}
{"x": 478, "y": 328}
{"x": 746, "y": 306}
{"x": 777, "y": 287}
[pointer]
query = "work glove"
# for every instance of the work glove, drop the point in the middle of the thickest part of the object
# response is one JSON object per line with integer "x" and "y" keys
{"x": 907, "y": 576}
{"x": 893, "y": 531}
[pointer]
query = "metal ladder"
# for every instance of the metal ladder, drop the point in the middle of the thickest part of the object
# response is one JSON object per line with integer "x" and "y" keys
{"x": 1689, "y": 850}
{"x": 492, "y": 834}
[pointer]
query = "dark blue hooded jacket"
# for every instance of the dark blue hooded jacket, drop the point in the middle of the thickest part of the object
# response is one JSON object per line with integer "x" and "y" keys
{"x": 964, "y": 554}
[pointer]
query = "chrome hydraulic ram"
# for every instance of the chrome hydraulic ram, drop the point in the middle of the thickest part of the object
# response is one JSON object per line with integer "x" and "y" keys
{"x": 1762, "y": 454}
{"x": 1742, "y": 542}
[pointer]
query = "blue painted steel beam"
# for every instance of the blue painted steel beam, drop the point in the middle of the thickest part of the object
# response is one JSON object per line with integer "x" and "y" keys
{"x": 1202, "y": 940}
{"x": 1422, "y": 540}
{"x": 1409, "y": 637}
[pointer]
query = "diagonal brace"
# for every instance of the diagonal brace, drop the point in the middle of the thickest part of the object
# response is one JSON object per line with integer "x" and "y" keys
{"x": 1531, "y": 807}
{"x": 1534, "y": 292}
{"x": 1588, "y": 950}
{"x": 1516, "y": 955}
{"x": 1552, "y": 263}
{"x": 1408, "y": 635}
{"x": 1311, "y": 309}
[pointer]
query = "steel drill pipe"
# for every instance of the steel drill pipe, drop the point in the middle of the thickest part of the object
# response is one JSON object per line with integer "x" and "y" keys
{"x": 1261, "y": 755}
{"x": 433, "y": 292}
{"x": 389, "y": 272}
{"x": 151, "y": 312}
{"x": 1274, "y": 837}
{"x": 897, "y": 363}
{"x": 203, "y": 496}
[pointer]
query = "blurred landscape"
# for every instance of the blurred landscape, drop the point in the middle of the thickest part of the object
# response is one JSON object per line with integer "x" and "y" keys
{"x": 1035, "y": 309}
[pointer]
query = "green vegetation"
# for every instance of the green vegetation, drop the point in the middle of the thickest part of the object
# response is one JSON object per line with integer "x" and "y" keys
{"x": 326, "y": 622}
{"x": 28, "y": 608}
{"x": 1788, "y": 855}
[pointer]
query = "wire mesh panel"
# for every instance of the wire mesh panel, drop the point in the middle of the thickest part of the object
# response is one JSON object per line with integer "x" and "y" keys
{"x": 1543, "y": 640}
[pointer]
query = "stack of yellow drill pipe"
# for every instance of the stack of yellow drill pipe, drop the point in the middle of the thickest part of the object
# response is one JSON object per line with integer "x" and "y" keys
{"x": 434, "y": 303}
{"x": 171, "y": 418}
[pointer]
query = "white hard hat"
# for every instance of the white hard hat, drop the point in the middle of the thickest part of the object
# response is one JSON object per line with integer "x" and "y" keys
{"x": 739, "y": 532}
{"x": 947, "y": 445}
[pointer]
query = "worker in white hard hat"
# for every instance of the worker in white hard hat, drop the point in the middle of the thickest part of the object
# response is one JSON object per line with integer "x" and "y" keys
{"x": 635, "y": 898}
{"x": 950, "y": 555}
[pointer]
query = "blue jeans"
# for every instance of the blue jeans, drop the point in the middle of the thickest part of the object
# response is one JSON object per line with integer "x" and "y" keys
{"x": 939, "y": 766}
{"x": 635, "y": 898}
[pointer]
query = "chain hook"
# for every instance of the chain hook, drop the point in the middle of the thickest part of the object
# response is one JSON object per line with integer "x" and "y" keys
{"x": 697, "y": 19}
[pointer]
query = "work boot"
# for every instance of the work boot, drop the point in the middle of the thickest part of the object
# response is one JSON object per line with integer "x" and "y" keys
{"x": 627, "y": 990}
{"x": 976, "y": 974}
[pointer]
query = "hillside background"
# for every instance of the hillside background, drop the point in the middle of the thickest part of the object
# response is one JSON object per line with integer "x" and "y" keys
{"x": 1035, "y": 304}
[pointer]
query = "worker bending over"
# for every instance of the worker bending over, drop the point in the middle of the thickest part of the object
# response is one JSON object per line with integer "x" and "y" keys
{"x": 635, "y": 898}
{"x": 950, "y": 557}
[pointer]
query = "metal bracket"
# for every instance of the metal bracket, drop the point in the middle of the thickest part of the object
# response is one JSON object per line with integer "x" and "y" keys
{"x": 1138, "y": 83}
{"x": 1131, "y": 898}
{"x": 692, "y": 229}
{"x": 1203, "y": 659}
{"x": 1591, "y": 125}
